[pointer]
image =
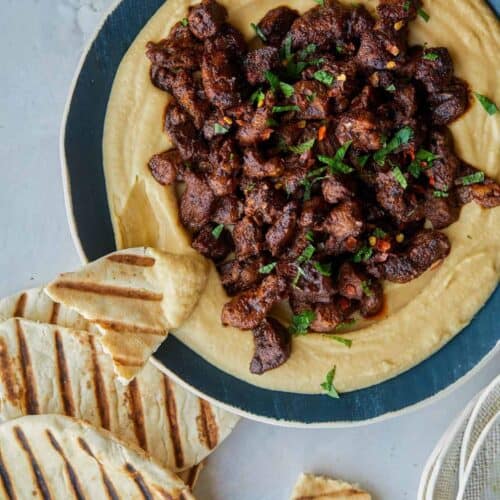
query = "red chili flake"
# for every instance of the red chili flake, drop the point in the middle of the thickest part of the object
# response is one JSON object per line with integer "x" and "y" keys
{"x": 344, "y": 303}
{"x": 432, "y": 181}
{"x": 383, "y": 245}
{"x": 321, "y": 133}
{"x": 351, "y": 243}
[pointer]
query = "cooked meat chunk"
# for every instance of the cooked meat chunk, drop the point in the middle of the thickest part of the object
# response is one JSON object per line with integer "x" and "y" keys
{"x": 276, "y": 23}
{"x": 314, "y": 213}
{"x": 248, "y": 238}
{"x": 378, "y": 51}
{"x": 360, "y": 21}
{"x": 327, "y": 317}
{"x": 312, "y": 99}
{"x": 228, "y": 210}
{"x": 392, "y": 11}
{"x": 405, "y": 102}
{"x": 445, "y": 168}
{"x": 372, "y": 301}
{"x": 282, "y": 231}
{"x": 486, "y": 193}
{"x": 425, "y": 249}
{"x": 164, "y": 166}
{"x": 273, "y": 345}
{"x": 362, "y": 128}
{"x": 441, "y": 212}
{"x": 256, "y": 167}
{"x": 264, "y": 203}
{"x": 250, "y": 308}
{"x": 206, "y": 18}
{"x": 259, "y": 61}
{"x": 254, "y": 124}
{"x": 337, "y": 188}
{"x": 323, "y": 26}
{"x": 212, "y": 247}
{"x": 312, "y": 286}
{"x": 352, "y": 281}
{"x": 237, "y": 275}
{"x": 434, "y": 69}
{"x": 180, "y": 127}
{"x": 449, "y": 103}
{"x": 224, "y": 164}
{"x": 197, "y": 202}
{"x": 344, "y": 220}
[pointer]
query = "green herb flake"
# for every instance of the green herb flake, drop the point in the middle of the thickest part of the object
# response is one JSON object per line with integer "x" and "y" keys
{"x": 311, "y": 97}
{"x": 474, "y": 178}
{"x": 379, "y": 233}
{"x": 431, "y": 56}
{"x": 307, "y": 254}
{"x": 258, "y": 96}
{"x": 363, "y": 254}
{"x": 309, "y": 50}
{"x": 301, "y": 322}
{"x": 310, "y": 236}
{"x": 285, "y": 109}
{"x": 324, "y": 77}
{"x": 328, "y": 386}
{"x": 258, "y": 32}
{"x": 273, "y": 80}
{"x": 300, "y": 272}
{"x": 391, "y": 88}
{"x": 268, "y": 268}
{"x": 320, "y": 2}
{"x": 345, "y": 324}
{"x": 271, "y": 122}
{"x": 335, "y": 163}
{"x": 440, "y": 194}
{"x": 365, "y": 286}
{"x": 302, "y": 148}
{"x": 406, "y": 6}
{"x": 415, "y": 169}
{"x": 185, "y": 22}
{"x": 339, "y": 48}
{"x": 217, "y": 231}
{"x": 342, "y": 340}
{"x": 427, "y": 156}
{"x": 490, "y": 107}
{"x": 399, "y": 176}
{"x": 424, "y": 15}
{"x": 323, "y": 269}
{"x": 362, "y": 160}
{"x": 286, "y": 49}
{"x": 287, "y": 89}
{"x": 401, "y": 137}
{"x": 220, "y": 130}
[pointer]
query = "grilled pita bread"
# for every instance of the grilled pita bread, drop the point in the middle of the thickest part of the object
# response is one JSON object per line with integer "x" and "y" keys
{"x": 48, "y": 369}
{"x": 310, "y": 487}
{"x": 134, "y": 296}
{"x": 57, "y": 457}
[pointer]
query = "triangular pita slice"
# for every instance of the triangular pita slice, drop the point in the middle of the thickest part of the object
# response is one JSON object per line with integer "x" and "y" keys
{"x": 56, "y": 457}
{"x": 48, "y": 369}
{"x": 134, "y": 296}
{"x": 310, "y": 487}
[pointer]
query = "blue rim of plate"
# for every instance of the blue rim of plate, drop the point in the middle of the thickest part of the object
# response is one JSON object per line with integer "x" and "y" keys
{"x": 90, "y": 223}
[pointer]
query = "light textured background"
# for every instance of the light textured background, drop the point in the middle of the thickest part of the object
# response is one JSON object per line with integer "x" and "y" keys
{"x": 40, "y": 45}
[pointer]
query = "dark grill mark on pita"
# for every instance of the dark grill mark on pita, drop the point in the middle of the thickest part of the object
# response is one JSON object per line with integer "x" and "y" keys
{"x": 55, "y": 313}
{"x": 132, "y": 260}
{"x": 6, "y": 481}
{"x": 73, "y": 478}
{"x": 64, "y": 378}
{"x": 193, "y": 475}
{"x": 37, "y": 472}
{"x": 99, "y": 387}
{"x": 137, "y": 414}
{"x": 113, "y": 291}
{"x": 116, "y": 326}
{"x": 20, "y": 306}
{"x": 331, "y": 494}
{"x": 208, "y": 430}
{"x": 29, "y": 382}
{"x": 139, "y": 481}
{"x": 7, "y": 374}
{"x": 171, "y": 408}
{"x": 110, "y": 489}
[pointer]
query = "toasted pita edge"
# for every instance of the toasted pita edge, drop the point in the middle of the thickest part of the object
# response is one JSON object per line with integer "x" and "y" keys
{"x": 311, "y": 487}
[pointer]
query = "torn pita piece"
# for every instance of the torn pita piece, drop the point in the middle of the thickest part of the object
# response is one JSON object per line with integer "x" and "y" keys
{"x": 48, "y": 369}
{"x": 134, "y": 296}
{"x": 310, "y": 487}
{"x": 56, "y": 457}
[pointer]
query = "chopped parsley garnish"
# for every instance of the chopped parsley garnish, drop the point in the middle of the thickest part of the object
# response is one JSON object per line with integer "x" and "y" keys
{"x": 474, "y": 178}
{"x": 306, "y": 255}
{"x": 427, "y": 156}
{"x": 286, "y": 49}
{"x": 406, "y": 6}
{"x": 310, "y": 236}
{"x": 258, "y": 97}
{"x": 301, "y": 322}
{"x": 271, "y": 122}
{"x": 323, "y": 269}
{"x": 342, "y": 340}
{"x": 220, "y": 130}
{"x": 401, "y": 137}
{"x": 217, "y": 231}
{"x": 490, "y": 107}
{"x": 258, "y": 32}
{"x": 391, "y": 88}
{"x": 399, "y": 176}
{"x": 379, "y": 233}
{"x": 302, "y": 148}
{"x": 268, "y": 268}
{"x": 431, "y": 56}
{"x": 362, "y": 160}
{"x": 324, "y": 77}
{"x": 339, "y": 48}
{"x": 311, "y": 97}
{"x": 345, "y": 324}
{"x": 440, "y": 194}
{"x": 328, "y": 386}
{"x": 424, "y": 15}
{"x": 320, "y": 2}
{"x": 335, "y": 163}
{"x": 300, "y": 272}
{"x": 363, "y": 254}
{"x": 310, "y": 49}
{"x": 249, "y": 187}
{"x": 273, "y": 80}
{"x": 287, "y": 89}
{"x": 185, "y": 22}
{"x": 415, "y": 169}
{"x": 285, "y": 109}
{"x": 365, "y": 286}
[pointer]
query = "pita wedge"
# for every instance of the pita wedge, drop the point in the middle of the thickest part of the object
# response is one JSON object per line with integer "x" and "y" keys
{"x": 56, "y": 457}
{"x": 48, "y": 369}
{"x": 134, "y": 296}
{"x": 310, "y": 487}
